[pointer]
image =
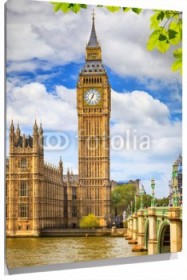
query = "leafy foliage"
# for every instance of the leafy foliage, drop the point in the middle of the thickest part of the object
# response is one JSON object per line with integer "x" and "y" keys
{"x": 162, "y": 201}
{"x": 67, "y": 7}
{"x": 146, "y": 201}
{"x": 177, "y": 65}
{"x": 121, "y": 198}
{"x": 113, "y": 8}
{"x": 166, "y": 26}
{"x": 89, "y": 221}
{"x": 167, "y": 31}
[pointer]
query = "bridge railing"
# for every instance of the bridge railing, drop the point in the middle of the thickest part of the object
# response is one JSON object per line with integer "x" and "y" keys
{"x": 156, "y": 229}
{"x": 162, "y": 211}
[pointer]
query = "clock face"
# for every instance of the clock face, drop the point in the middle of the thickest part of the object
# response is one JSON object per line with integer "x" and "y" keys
{"x": 92, "y": 96}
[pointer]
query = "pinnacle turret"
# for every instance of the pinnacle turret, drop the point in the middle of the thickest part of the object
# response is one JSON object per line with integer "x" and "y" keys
{"x": 18, "y": 132}
{"x": 40, "y": 129}
{"x": 12, "y": 135}
{"x": 12, "y": 127}
{"x": 68, "y": 175}
{"x": 60, "y": 162}
{"x": 35, "y": 127}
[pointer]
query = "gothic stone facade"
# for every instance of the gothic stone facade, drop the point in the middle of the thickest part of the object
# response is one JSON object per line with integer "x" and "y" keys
{"x": 38, "y": 196}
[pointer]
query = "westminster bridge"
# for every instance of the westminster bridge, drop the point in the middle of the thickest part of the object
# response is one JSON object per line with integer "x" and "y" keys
{"x": 155, "y": 229}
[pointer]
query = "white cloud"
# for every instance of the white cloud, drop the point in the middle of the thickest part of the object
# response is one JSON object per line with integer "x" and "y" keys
{"x": 24, "y": 44}
{"x": 56, "y": 111}
{"x": 137, "y": 114}
{"x": 140, "y": 107}
{"x": 34, "y": 30}
{"x": 27, "y": 66}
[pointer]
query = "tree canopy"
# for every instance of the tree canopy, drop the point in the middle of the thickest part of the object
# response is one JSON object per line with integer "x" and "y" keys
{"x": 162, "y": 201}
{"x": 166, "y": 27}
{"x": 89, "y": 221}
{"x": 121, "y": 198}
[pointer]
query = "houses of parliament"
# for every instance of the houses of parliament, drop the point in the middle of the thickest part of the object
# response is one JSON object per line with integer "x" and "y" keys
{"x": 39, "y": 195}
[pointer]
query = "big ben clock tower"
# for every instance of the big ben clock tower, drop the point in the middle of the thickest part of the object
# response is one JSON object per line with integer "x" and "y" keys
{"x": 93, "y": 105}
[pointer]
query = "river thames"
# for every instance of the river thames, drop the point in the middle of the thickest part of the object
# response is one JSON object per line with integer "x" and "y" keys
{"x": 23, "y": 252}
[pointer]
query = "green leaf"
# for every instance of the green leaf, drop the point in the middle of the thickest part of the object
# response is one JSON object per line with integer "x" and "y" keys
{"x": 57, "y": 6}
{"x": 178, "y": 53}
{"x": 153, "y": 40}
{"x": 136, "y": 10}
{"x": 180, "y": 28}
{"x": 163, "y": 46}
{"x": 65, "y": 7}
{"x": 83, "y": 6}
{"x": 154, "y": 23}
{"x": 175, "y": 32}
{"x": 177, "y": 65}
{"x": 163, "y": 42}
{"x": 162, "y": 37}
{"x": 161, "y": 15}
{"x": 75, "y": 8}
{"x": 168, "y": 14}
{"x": 156, "y": 19}
{"x": 126, "y": 9}
{"x": 113, "y": 8}
{"x": 172, "y": 33}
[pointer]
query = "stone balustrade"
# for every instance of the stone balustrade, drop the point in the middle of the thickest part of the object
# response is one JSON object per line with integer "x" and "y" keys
{"x": 156, "y": 230}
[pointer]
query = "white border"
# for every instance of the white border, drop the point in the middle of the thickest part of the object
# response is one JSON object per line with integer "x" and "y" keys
{"x": 175, "y": 268}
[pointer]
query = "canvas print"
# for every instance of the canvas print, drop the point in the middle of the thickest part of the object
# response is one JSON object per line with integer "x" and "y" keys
{"x": 93, "y": 132}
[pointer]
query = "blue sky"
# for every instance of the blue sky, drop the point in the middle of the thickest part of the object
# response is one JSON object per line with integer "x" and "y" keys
{"x": 45, "y": 53}
{"x": 118, "y": 84}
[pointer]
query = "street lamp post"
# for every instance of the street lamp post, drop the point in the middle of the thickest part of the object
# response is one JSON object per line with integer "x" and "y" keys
{"x": 135, "y": 203}
{"x": 131, "y": 206}
{"x": 153, "y": 193}
{"x": 141, "y": 198}
{"x": 176, "y": 197}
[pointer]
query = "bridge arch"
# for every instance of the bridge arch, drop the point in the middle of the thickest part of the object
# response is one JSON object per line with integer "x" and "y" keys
{"x": 146, "y": 240}
{"x": 164, "y": 237}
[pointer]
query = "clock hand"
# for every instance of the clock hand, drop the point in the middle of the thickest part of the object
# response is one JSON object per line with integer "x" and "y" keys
{"x": 91, "y": 97}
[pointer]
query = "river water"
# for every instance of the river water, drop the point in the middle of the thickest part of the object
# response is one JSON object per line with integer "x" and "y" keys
{"x": 21, "y": 252}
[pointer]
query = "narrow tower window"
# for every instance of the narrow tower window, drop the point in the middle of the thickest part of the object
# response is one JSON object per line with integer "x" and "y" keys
{"x": 23, "y": 189}
{"x": 23, "y": 210}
